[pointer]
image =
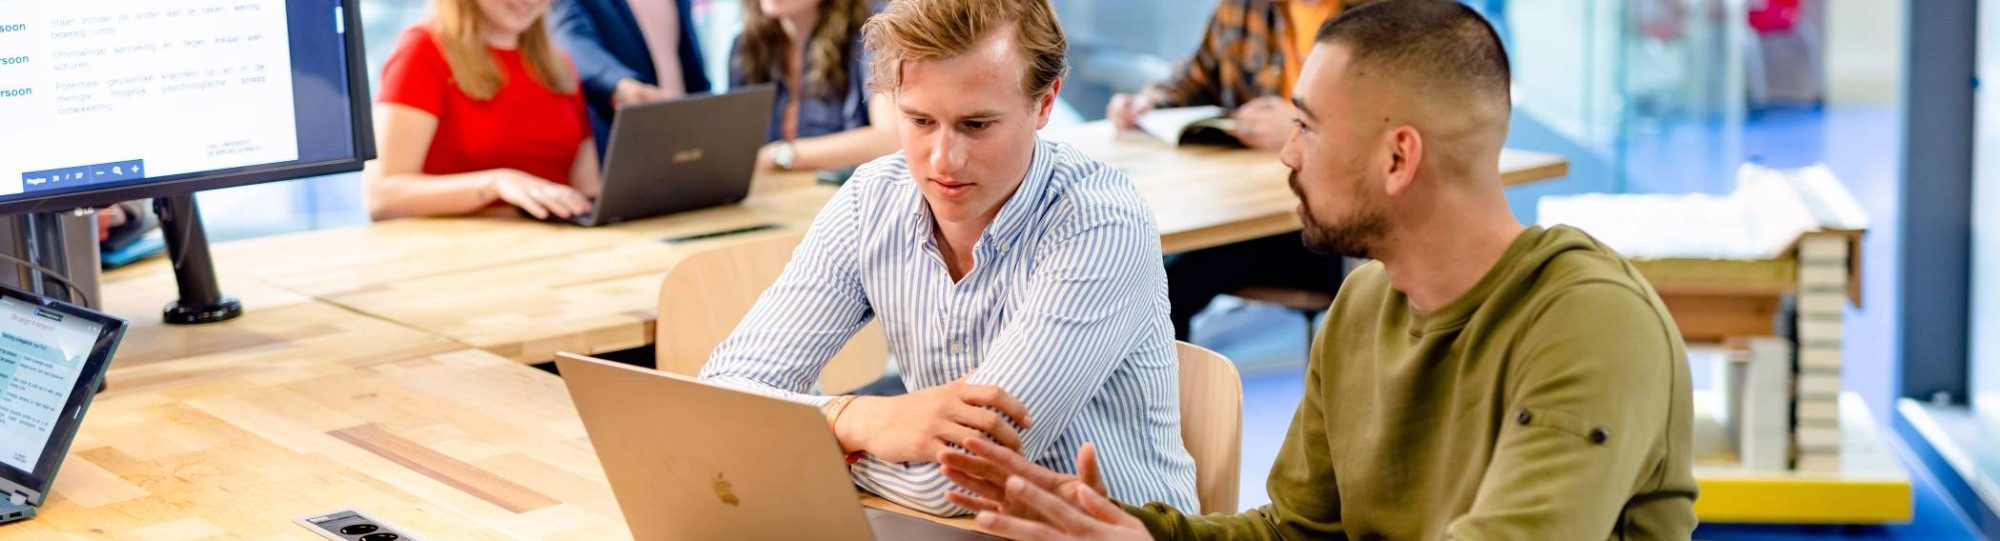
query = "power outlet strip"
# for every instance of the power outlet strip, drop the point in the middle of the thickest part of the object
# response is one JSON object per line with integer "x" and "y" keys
{"x": 351, "y": 525}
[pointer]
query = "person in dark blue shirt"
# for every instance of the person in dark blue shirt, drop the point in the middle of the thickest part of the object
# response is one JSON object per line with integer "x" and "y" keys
{"x": 629, "y": 51}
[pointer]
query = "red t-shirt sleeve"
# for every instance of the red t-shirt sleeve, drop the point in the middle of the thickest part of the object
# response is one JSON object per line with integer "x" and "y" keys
{"x": 416, "y": 74}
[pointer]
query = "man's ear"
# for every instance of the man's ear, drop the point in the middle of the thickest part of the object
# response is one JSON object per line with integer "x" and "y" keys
{"x": 1046, "y": 104}
{"x": 1406, "y": 153}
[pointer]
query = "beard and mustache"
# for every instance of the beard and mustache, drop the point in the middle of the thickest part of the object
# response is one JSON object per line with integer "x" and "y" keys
{"x": 1352, "y": 235}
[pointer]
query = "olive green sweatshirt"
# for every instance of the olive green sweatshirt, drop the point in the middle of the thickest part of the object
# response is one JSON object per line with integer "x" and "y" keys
{"x": 1550, "y": 402}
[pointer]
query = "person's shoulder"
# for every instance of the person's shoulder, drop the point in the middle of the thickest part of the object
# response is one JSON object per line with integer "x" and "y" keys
{"x": 422, "y": 36}
{"x": 1588, "y": 284}
{"x": 1584, "y": 260}
{"x": 418, "y": 57}
{"x": 1087, "y": 187}
{"x": 882, "y": 181}
{"x": 419, "y": 43}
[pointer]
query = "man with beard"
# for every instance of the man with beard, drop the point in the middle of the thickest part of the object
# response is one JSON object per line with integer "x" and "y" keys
{"x": 1480, "y": 380}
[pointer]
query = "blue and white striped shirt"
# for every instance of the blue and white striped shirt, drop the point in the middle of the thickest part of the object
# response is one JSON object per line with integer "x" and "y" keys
{"x": 1065, "y": 308}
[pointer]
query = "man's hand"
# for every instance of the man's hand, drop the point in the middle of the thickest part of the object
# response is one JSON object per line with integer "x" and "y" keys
{"x": 917, "y": 427}
{"x": 1125, "y": 110}
{"x": 633, "y": 92}
{"x": 1021, "y": 500}
{"x": 1264, "y": 123}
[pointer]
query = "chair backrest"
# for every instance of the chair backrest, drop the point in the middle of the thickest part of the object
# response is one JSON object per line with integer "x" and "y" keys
{"x": 1212, "y": 425}
{"x": 709, "y": 289}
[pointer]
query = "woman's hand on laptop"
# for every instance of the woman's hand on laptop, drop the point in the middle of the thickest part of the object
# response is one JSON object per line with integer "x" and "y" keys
{"x": 916, "y": 427}
{"x": 540, "y": 198}
{"x": 1021, "y": 500}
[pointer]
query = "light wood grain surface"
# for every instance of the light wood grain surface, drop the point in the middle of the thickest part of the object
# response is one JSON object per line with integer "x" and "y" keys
{"x": 448, "y": 444}
{"x": 336, "y": 261}
{"x": 300, "y": 408}
{"x": 603, "y": 298}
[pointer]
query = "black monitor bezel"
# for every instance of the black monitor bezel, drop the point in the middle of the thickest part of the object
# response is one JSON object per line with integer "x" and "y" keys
{"x": 364, "y": 149}
{"x": 111, "y": 331}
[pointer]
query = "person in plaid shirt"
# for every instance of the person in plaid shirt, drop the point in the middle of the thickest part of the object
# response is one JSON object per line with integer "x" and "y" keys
{"x": 1247, "y": 62}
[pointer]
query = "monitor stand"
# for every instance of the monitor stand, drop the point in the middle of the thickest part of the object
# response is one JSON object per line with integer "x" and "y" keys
{"x": 201, "y": 299}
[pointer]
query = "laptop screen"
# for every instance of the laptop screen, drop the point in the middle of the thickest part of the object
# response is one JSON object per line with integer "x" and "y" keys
{"x": 52, "y": 355}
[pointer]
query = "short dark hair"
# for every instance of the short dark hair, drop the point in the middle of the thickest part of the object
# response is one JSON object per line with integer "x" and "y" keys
{"x": 1427, "y": 43}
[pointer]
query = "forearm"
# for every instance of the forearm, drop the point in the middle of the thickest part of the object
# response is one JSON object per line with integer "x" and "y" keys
{"x": 843, "y": 149}
{"x": 1167, "y": 523}
{"x": 583, "y": 173}
{"x": 757, "y": 380}
{"x": 919, "y": 486}
{"x": 415, "y": 194}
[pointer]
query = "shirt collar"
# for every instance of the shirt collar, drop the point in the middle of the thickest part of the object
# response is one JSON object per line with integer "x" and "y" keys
{"x": 1015, "y": 214}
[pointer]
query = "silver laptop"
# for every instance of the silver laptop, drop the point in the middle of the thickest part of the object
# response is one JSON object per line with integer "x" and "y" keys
{"x": 679, "y": 155}
{"x": 52, "y": 360}
{"x": 689, "y": 460}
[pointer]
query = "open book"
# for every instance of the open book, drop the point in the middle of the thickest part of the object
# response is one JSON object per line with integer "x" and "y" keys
{"x": 1201, "y": 125}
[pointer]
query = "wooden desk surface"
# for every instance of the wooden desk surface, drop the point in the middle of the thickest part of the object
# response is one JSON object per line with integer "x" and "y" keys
{"x": 601, "y": 299}
{"x": 447, "y": 444}
{"x": 234, "y": 430}
{"x": 335, "y": 261}
{"x": 1210, "y": 196}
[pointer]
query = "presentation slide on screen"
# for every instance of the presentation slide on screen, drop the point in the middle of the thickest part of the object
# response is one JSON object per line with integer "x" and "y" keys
{"x": 41, "y": 355}
{"x": 95, "y": 91}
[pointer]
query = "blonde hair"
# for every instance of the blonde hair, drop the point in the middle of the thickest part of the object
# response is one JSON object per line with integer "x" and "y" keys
{"x": 932, "y": 29}
{"x": 472, "y": 67}
{"x": 759, "y": 56}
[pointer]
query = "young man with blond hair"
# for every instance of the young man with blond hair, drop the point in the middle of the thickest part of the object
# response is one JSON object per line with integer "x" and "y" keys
{"x": 1480, "y": 380}
{"x": 1018, "y": 281}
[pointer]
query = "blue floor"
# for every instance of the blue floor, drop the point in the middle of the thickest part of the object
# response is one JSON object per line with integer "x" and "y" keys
{"x": 1268, "y": 343}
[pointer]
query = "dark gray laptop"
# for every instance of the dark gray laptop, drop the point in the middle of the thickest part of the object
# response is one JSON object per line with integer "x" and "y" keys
{"x": 679, "y": 155}
{"x": 52, "y": 359}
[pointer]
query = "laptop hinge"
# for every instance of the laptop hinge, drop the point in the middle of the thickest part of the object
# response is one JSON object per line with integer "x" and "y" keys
{"x": 17, "y": 494}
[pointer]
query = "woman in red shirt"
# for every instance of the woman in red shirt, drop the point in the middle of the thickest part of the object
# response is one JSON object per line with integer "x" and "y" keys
{"x": 479, "y": 108}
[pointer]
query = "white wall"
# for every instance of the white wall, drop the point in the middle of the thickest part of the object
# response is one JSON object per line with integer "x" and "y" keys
{"x": 1864, "y": 51}
{"x": 1985, "y": 309}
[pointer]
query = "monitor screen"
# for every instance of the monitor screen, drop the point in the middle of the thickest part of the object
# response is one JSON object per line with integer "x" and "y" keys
{"x": 109, "y": 100}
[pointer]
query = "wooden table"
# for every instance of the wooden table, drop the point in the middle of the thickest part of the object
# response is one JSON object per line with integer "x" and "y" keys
{"x": 1204, "y": 196}
{"x": 337, "y": 261}
{"x": 299, "y": 408}
{"x": 525, "y": 290}
{"x": 603, "y": 298}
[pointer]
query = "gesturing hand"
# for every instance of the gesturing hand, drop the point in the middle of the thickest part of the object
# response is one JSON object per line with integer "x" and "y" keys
{"x": 1021, "y": 500}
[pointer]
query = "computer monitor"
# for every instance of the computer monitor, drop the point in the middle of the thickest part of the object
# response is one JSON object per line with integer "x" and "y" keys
{"x": 112, "y": 100}
{"x": 52, "y": 358}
